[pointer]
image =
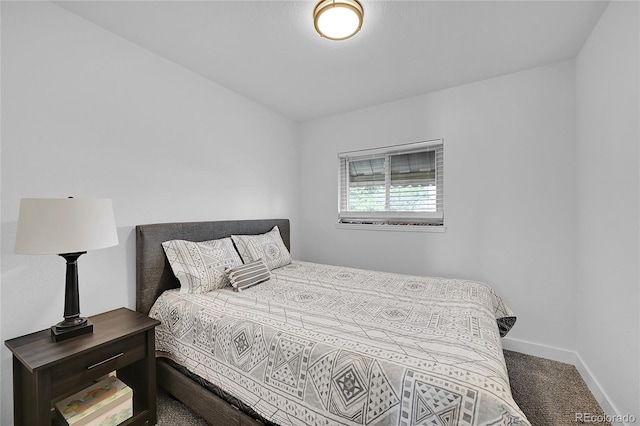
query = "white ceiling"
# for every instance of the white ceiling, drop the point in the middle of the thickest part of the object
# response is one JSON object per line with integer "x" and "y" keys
{"x": 268, "y": 50}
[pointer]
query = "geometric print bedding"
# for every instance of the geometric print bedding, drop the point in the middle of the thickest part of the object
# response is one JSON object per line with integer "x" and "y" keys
{"x": 327, "y": 345}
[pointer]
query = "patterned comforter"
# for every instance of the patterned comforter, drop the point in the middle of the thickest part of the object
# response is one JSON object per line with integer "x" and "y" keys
{"x": 327, "y": 345}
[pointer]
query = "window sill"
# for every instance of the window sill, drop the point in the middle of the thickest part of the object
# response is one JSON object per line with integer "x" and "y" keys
{"x": 396, "y": 228}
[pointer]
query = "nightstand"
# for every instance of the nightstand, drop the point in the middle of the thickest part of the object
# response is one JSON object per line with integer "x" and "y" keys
{"x": 44, "y": 370}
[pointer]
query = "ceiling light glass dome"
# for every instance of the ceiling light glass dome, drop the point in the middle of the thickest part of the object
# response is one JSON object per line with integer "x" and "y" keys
{"x": 338, "y": 19}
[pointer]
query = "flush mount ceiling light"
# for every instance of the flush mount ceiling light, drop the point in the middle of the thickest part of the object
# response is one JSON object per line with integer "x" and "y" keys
{"x": 338, "y": 19}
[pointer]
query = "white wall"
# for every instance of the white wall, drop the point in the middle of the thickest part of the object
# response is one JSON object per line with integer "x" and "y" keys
{"x": 509, "y": 192}
{"x": 88, "y": 114}
{"x": 608, "y": 216}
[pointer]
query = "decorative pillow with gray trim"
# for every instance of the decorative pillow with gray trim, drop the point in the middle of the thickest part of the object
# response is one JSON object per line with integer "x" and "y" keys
{"x": 248, "y": 275}
{"x": 268, "y": 247}
{"x": 200, "y": 267}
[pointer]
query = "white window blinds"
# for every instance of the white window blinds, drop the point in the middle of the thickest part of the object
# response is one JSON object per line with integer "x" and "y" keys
{"x": 401, "y": 184}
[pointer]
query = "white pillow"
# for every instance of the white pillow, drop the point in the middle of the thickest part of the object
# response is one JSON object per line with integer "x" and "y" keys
{"x": 200, "y": 266}
{"x": 269, "y": 247}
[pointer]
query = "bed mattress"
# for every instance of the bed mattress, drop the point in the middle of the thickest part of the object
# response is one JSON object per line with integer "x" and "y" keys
{"x": 326, "y": 345}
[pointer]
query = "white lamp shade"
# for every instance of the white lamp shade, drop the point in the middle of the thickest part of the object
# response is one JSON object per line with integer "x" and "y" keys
{"x": 65, "y": 225}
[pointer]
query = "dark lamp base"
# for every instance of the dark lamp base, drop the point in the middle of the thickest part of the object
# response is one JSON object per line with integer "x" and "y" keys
{"x": 67, "y": 329}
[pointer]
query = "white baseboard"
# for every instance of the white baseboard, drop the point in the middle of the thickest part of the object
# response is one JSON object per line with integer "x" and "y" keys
{"x": 542, "y": 351}
{"x": 597, "y": 391}
{"x": 568, "y": 357}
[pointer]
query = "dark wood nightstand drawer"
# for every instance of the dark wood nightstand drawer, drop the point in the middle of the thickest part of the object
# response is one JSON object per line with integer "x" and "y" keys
{"x": 97, "y": 363}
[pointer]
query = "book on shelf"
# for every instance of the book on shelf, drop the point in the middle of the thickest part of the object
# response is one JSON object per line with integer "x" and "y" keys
{"x": 105, "y": 403}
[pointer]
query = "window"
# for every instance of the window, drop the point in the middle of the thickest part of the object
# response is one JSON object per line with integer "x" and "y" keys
{"x": 397, "y": 185}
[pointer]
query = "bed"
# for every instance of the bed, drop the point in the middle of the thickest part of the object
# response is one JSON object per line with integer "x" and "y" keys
{"x": 321, "y": 344}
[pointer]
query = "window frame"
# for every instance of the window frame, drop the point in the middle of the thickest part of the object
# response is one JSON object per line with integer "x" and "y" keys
{"x": 390, "y": 219}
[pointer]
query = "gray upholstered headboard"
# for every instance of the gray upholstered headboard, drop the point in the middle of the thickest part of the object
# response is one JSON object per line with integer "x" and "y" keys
{"x": 153, "y": 272}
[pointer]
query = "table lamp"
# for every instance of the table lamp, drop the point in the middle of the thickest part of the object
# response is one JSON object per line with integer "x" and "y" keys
{"x": 68, "y": 227}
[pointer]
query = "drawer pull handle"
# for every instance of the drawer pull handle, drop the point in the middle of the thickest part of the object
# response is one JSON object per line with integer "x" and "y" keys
{"x": 105, "y": 361}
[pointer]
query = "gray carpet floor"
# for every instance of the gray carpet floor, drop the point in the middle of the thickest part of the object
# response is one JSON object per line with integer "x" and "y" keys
{"x": 549, "y": 393}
